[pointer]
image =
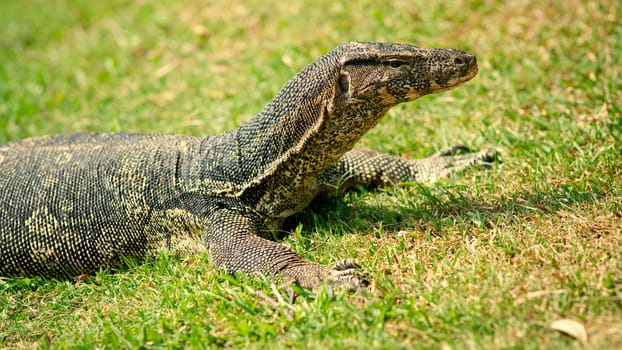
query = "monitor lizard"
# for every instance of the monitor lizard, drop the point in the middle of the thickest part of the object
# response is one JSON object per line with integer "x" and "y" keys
{"x": 77, "y": 203}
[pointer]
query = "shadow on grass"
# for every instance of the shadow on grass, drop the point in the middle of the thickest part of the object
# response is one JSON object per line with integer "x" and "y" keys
{"x": 429, "y": 209}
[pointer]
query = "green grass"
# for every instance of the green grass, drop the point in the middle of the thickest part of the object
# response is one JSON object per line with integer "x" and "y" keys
{"x": 482, "y": 260}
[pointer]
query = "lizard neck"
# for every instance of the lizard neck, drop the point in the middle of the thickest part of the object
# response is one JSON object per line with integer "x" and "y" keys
{"x": 245, "y": 157}
{"x": 290, "y": 120}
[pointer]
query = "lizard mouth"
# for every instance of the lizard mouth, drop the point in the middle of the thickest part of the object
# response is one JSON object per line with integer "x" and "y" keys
{"x": 473, "y": 69}
{"x": 462, "y": 75}
{"x": 467, "y": 73}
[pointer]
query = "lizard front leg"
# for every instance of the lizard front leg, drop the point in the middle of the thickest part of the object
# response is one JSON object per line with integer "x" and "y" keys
{"x": 235, "y": 246}
{"x": 374, "y": 169}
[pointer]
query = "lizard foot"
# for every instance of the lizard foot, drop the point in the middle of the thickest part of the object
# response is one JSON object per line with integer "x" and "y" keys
{"x": 452, "y": 150}
{"x": 347, "y": 275}
{"x": 487, "y": 155}
{"x": 454, "y": 159}
{"x": 344, "y": 275}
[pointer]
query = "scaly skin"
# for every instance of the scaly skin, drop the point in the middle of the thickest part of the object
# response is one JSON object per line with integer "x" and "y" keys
{"x": 73, "y": 204}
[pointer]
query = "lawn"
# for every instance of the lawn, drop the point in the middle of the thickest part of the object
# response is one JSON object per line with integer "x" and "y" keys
{"x": 483, "y": 260}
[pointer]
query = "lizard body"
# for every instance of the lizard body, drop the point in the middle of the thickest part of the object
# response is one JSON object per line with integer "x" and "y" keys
{"x": 73, "y": 204}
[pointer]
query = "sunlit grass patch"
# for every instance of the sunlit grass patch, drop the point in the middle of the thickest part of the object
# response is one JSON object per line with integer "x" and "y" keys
{"x": 481, "y": 260}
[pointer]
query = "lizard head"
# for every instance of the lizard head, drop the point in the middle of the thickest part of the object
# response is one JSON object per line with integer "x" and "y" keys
{"x": 388, "y": 74}
{"x": 325, "y": 108}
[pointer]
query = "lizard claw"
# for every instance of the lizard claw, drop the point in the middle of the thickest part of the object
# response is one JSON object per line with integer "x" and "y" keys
{"x": 485, "y": 156}
{"x": 343, "y": 275}
{"x": 346, "y": 275}
{"x": 345, "y": 265}
{"x": 454, "y": 159}
{"x": 452, "y": 150}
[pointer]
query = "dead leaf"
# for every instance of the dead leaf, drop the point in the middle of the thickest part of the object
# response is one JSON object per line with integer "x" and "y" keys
{"x": 189, "y": 261}
{"x": 81, "y": 277}
{"x": 571, "y": 328}
{"x": 165, "y": 69}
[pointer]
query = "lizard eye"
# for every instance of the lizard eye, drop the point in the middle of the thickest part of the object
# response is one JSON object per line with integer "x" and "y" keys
{"x": 395, "y": 64}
